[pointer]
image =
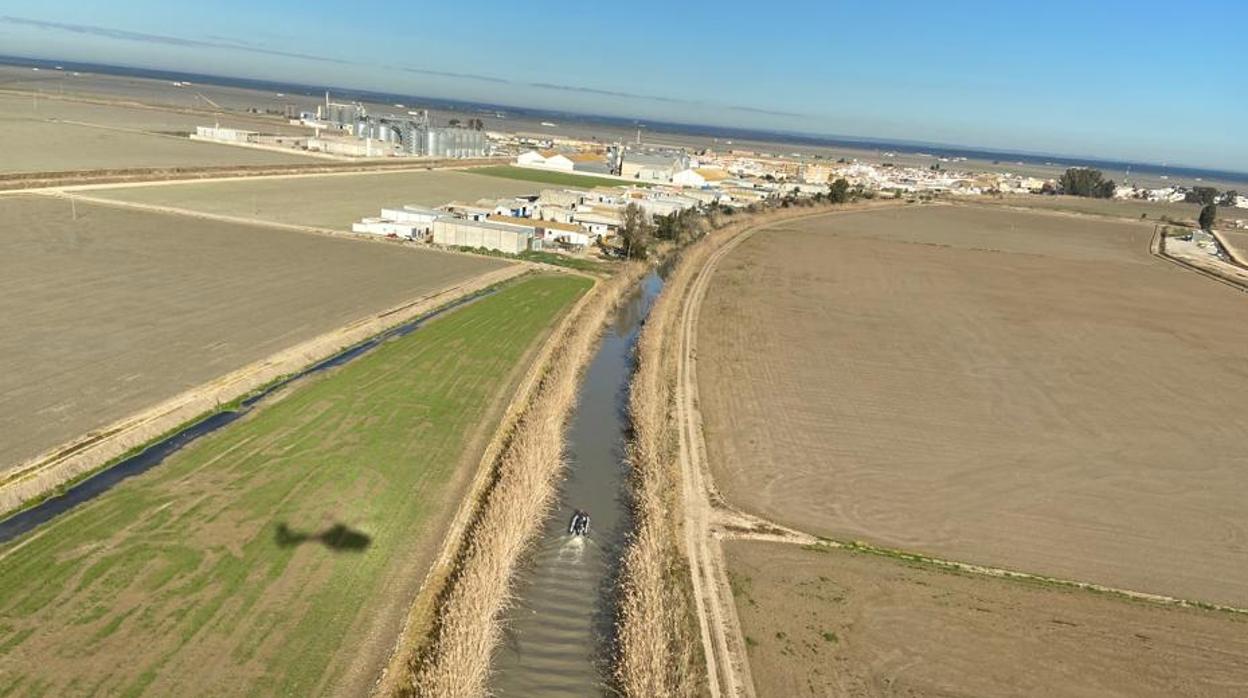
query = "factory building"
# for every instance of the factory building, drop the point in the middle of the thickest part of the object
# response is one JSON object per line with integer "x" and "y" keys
{"x": 408, "y": 134}
{"x": 500, "y": 237}
{"x": 339, "y": 114}
{"x": 224, "y": 135}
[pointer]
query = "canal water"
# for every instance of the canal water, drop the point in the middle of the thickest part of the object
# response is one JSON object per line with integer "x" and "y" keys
{"x": 27, "y": 520}
{"x": 558, "y": 631}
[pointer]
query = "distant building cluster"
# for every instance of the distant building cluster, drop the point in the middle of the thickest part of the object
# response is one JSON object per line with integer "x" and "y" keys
{"x": 349, "y": 130}
{"x": 561, "y": 220}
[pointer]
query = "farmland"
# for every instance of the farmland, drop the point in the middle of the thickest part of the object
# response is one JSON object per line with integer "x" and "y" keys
{"x": 1023, "y": 390}
{"x": 57, "y": 135}
{"x": 1237, "y": 240}
{"x": 278, "y": 555}
{"x": 1152, "y": 211}
{"x": 835, "y": 622}
{"x": 120, "y": 309}
{"x": 325, "y": 201}
{"x": 562, "y": 179}
{"x": 132, "y": 116}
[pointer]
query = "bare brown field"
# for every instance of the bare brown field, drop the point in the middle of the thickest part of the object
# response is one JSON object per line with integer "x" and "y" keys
{"x": 1237, "y": 240}
{"x": 33, "y": 146}
{"x": 121, "y": 309}
{"x": 832, "y": 622}
{"x": 45, "y": 135}
{"x": 135, "y": 117}
{"x": 1151, "y": 211}
{"x": 1016, "y": 389}
{"x": 333, "y": 201}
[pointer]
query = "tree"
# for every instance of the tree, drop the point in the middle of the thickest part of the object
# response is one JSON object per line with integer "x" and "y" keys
{"x": 1201, "y": 195}
{"x": 453, "y": 123}
{"x": 636, "y": 232}
{"x": 679, "y": 226}
{"x": 1208, "y": 214}
{"x": 1230, "y": 198}
{"x": 839, "y": 192}
{"x": 1085, "y": 181}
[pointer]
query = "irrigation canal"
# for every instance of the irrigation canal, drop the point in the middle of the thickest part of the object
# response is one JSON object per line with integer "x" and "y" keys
{"x": 558, "y": 631}
{"x": 154, "y": 454}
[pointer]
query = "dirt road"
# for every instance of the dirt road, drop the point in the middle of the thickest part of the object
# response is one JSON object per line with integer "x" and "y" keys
{"x": 709, "y": 520}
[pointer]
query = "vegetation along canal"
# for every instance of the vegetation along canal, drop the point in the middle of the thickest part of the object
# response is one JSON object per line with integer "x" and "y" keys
{"x": 558, "y": 630}
{"x": 154, "y": 454}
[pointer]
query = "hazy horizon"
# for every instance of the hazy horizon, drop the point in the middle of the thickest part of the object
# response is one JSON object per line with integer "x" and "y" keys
{"x": 946, "y": 78}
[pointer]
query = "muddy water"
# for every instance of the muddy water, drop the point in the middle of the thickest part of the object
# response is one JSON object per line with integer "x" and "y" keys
{"x": 558, "y": 629}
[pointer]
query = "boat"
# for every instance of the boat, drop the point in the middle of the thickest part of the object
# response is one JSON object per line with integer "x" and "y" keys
{"x": 579, "y": 525}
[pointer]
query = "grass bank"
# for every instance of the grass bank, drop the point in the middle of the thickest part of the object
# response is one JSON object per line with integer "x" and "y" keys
{"x": 276, "y": 556}
{"x": 525, "y": 475}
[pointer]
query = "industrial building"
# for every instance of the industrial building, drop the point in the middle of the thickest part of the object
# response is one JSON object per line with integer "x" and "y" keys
{"x": 396, "y": 134}
{"x": 224, "y": 135}
{"x": 500, "y": 237}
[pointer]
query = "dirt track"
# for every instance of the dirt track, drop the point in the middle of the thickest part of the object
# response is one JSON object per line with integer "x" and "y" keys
{"x": 1029, "y": 397}
{"x": 706, "y": 519}
{"x": 823, "y": 622}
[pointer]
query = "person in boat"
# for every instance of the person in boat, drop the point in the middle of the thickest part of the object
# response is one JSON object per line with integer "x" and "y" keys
{"x": 579, "y": 525}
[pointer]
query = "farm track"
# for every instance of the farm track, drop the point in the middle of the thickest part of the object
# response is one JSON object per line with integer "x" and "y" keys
{"x": 93, "y": 450}
{"x": 28, "y": 181}
{"x": 1158, "y": 249}
{"x": 709, "y": 519}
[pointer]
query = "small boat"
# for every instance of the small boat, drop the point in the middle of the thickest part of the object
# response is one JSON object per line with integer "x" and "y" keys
{"x": 579, "y": 525}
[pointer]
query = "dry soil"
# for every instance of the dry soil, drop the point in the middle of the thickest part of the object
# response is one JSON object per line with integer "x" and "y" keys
{"x": 1024, "y": 390}
{"x": 838, "y": 623}
{"x": 120, "y": 309}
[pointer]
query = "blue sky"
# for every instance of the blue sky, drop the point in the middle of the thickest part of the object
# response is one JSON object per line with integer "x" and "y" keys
{"x": 1149, "y": 81}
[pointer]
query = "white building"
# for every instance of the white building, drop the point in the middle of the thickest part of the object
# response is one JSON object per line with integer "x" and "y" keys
{"x": 377, "y": 226}
{"x": 224, "y": 135}
{"x": 551, "y": 161}
{"x": 490, "y": 235}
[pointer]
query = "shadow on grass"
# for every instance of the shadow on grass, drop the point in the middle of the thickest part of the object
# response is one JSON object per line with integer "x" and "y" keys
{"x": 338, "y": 538}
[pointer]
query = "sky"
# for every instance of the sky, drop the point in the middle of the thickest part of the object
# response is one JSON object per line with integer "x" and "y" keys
{"x": 1156, "y": 82}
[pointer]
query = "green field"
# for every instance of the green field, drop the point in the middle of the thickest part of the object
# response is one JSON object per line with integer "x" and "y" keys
{"x": 560, "y": 178}
{"x": 276, "y": 556}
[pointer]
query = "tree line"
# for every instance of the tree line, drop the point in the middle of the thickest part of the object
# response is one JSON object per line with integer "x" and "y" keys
{"x": 639, "y": 230}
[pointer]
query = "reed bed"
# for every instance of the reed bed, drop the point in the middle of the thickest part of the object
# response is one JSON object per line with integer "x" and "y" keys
{"x": 658, "y": 648}
{"x": 456, "y": 663}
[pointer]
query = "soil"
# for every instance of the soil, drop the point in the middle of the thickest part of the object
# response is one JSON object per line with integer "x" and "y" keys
{"x": 830, "y": 622}
{"x": 1023, "y": 390}
{"x": 333, "y": 201}
{"x": 118, "y": 309}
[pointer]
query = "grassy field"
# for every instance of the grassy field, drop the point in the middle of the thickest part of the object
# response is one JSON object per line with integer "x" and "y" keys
{"x": 827, "y": 622}
{"x": 561, "y": 179}
{"x": 334, "y": 201}
{"x": 119, "y": 309}
{"x": 276, "y": 556}
{"x": 1024, "y": 390}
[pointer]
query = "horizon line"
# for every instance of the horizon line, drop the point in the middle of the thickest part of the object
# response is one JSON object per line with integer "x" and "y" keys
{"x": 831, "y": 139}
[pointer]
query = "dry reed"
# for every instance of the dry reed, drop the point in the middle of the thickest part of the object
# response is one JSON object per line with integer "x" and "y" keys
{"x": 658, "y": 647}
{"x": 468, "y": 628}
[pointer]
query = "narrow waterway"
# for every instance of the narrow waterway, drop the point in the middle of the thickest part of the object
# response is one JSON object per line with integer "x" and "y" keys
{"x": 154, "y": 454}
{"x": 558, "y": 630}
